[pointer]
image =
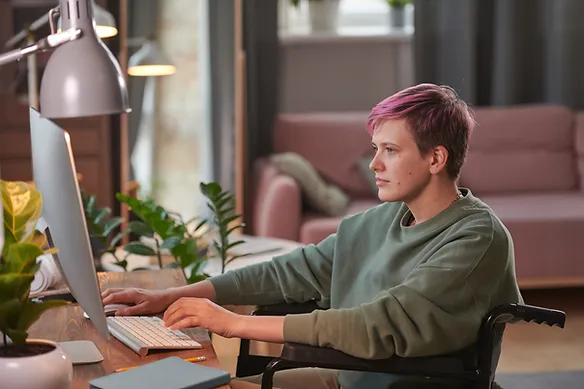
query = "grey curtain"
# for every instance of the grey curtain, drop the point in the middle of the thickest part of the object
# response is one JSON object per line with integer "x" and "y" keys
{"x": 502, "y": 52}
{"x": 142, "y": 22}
{"x": 220, "y": 17}
{"x": 262, "y": 49}
{"x": 261, "y": 46}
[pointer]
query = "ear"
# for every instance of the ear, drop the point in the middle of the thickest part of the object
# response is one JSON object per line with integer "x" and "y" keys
{"x": 438, "y": 159}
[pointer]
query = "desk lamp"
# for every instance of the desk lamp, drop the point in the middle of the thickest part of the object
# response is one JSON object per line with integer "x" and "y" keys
{"x": 82, "y": 77}
{"x": 149, "y": 60}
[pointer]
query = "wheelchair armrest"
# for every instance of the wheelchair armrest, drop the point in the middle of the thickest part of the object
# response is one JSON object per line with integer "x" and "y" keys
{"x": 528, "y": 313}
{"x": 328, "y": 358}
{"x": 283, "y": 309}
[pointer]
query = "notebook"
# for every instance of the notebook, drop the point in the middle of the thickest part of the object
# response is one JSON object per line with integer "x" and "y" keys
{"x": 168, "y": 373}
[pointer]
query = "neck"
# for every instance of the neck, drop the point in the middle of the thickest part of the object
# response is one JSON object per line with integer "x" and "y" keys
{"x": 435, "y": 198}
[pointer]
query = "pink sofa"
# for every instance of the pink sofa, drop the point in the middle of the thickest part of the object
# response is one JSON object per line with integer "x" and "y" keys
{"x": 526, "y": 162}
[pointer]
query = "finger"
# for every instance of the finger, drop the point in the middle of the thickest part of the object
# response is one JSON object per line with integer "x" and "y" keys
{"x": 124, "y": 296}
{"x": 109, "y": 291}
{"x": 175, "y": 317}
{"x": 184, "y": 312}
{"x": 133, "y": 310}
{"x": 185, "y": 323}
{"x": 177, "y": 305}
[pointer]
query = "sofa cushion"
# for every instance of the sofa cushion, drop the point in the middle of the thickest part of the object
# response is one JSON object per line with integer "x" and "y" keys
{"x": 315, "y": 227}
{"x": 521, "y": 149}
{"x": 546, "y": 230}
{"x": 322, "y": 197}
{"x": 331, "y": 141}
{"x": 369, "y": 175}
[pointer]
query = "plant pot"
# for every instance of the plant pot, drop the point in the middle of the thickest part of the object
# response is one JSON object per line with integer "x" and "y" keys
{"x": 324, "y": 15}
{"x": 397, "y": 17}
{"x": 38, "y": 364}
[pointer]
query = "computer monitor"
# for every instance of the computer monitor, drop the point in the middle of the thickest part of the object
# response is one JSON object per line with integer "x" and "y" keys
{"x": 55, "y": 177}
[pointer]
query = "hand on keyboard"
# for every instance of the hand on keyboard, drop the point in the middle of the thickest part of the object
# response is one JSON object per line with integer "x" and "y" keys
{"x": 199, "y": 312}
{"x": 144, "y": 301}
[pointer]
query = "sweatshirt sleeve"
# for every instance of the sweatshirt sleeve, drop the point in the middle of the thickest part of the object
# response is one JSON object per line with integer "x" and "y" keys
{"x": 438, "y": 309}
{"x": 299, "y": 276}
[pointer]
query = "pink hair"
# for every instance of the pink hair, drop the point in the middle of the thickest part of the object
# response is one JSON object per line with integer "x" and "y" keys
{"x": 435, "y": 115}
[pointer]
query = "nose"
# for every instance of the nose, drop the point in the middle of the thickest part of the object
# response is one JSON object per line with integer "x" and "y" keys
{"x": 376, "y": 164}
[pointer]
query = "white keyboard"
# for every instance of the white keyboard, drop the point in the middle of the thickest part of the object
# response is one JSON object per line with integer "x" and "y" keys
{"x": 145, "y": 333}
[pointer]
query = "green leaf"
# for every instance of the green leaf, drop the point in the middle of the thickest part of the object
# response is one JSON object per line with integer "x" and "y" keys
{"x": 194, "y": 278}
{"x": 23, "y": 206}
{"x": 118, "y": 238}
{"x": 164, "y": 228}
{"x": 172, "y": 265}
{"x": 229, "y": 231}
{"x": 211, "y": 189}
{"x": 101, "y": 215}
{"x": 30, "y": 311}
{"x": 201, "y": 224}
{"x": 139, "y": 249}
{"x": 123, "y": 264}
{"x": 20, "y": 257}
{"x": 14, "y": 285}
{"x": 140, "y": 228}
{"x": 112, "y": 224}
{"x": 231, "y": 245}
{"x": 90, "y": 204}
{"x": 230, "y": 219}
{"x": 171, "y": 242}
{"x": 18, "y": 337}
{"x": 9, "y": 313}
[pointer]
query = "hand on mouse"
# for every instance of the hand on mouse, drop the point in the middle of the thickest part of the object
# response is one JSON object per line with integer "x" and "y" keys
{"x": 143, "y": 301}
{"x": 201, "y": 312}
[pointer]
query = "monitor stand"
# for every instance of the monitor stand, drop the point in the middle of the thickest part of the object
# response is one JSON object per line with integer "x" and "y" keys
{"x": 80, "y": 352}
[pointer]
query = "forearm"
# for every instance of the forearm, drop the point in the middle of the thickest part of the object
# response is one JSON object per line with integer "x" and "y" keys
{"x": 262, "y": 328}
{"x": 202, "y": 289}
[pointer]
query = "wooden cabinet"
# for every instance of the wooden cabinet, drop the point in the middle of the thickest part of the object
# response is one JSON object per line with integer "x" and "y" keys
{"x": 91, "y": 138}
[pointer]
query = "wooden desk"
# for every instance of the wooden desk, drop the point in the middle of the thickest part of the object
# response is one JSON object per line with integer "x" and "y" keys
{"x": 67, "y": 323}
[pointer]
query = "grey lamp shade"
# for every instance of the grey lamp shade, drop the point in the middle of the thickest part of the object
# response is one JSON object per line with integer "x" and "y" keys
{"x": 82, "y": 77}
{"x": 105, "y": 23}
{"x": 150, "y": 61}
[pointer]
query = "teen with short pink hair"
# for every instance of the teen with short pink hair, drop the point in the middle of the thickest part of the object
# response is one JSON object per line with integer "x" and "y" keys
{"x": 413, "y": 276}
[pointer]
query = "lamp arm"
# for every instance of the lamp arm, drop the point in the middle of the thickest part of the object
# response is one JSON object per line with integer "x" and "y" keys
{"x": 48, "y": 43}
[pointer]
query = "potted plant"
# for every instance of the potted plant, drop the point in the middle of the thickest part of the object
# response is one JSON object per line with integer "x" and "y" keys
{"x": 23, "y": 244}
{"x": 323, "y": 14}
{"x": 163, "y": 233}
{"x": 397, "y": 12}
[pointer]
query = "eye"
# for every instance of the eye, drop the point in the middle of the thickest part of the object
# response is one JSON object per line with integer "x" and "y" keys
{"x": 390, "y": 150}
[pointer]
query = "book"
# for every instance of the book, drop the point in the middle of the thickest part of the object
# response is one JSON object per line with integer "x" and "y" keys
{"x": 167, "y": 373}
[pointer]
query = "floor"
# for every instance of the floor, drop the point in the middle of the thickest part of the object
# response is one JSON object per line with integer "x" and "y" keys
{"x": 527, "y": 347}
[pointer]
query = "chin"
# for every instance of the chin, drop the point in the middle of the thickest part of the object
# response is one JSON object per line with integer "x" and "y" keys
{"x": 387, "y": 195}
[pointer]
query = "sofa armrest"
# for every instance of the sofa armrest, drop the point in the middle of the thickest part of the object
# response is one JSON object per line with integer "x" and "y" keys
{"x": 277, "y": 203}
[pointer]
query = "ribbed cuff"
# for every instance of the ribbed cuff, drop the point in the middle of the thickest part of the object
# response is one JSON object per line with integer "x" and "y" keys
{"x": 300, "y": 328}
{"x": 226, "y": 288}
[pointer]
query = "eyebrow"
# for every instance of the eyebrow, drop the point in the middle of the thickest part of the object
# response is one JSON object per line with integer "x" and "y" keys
{"x": 385, "y": 144}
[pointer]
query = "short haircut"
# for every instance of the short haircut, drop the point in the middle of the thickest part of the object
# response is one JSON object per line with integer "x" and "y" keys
{"x": 435, "y": 115}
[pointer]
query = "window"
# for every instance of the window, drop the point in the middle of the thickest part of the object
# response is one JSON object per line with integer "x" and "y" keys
{"x": 356, "y": 17}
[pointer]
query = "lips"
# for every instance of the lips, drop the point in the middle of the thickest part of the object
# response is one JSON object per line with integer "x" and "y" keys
{"x": 380, "y": 181}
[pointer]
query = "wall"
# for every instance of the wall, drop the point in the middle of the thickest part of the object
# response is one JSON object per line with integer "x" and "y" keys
{"x": 343, "y": 72}
{"x": 179, "y": 117}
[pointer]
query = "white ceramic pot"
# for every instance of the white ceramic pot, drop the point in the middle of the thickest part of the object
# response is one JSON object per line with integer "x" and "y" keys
{"x": 397, "y": 17}
{"x": 41, "y": 364}
{"x": 324, "y": 15}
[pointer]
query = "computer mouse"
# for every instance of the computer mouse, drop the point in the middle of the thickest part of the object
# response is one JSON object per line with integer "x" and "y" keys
{"x": 110, "y": 309}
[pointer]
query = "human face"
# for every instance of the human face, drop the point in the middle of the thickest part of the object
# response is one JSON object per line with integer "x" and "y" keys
{"x": 401, "y": 171}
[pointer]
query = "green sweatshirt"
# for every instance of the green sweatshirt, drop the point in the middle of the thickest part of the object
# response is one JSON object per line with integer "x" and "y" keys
{"x": 392, "y": 289}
